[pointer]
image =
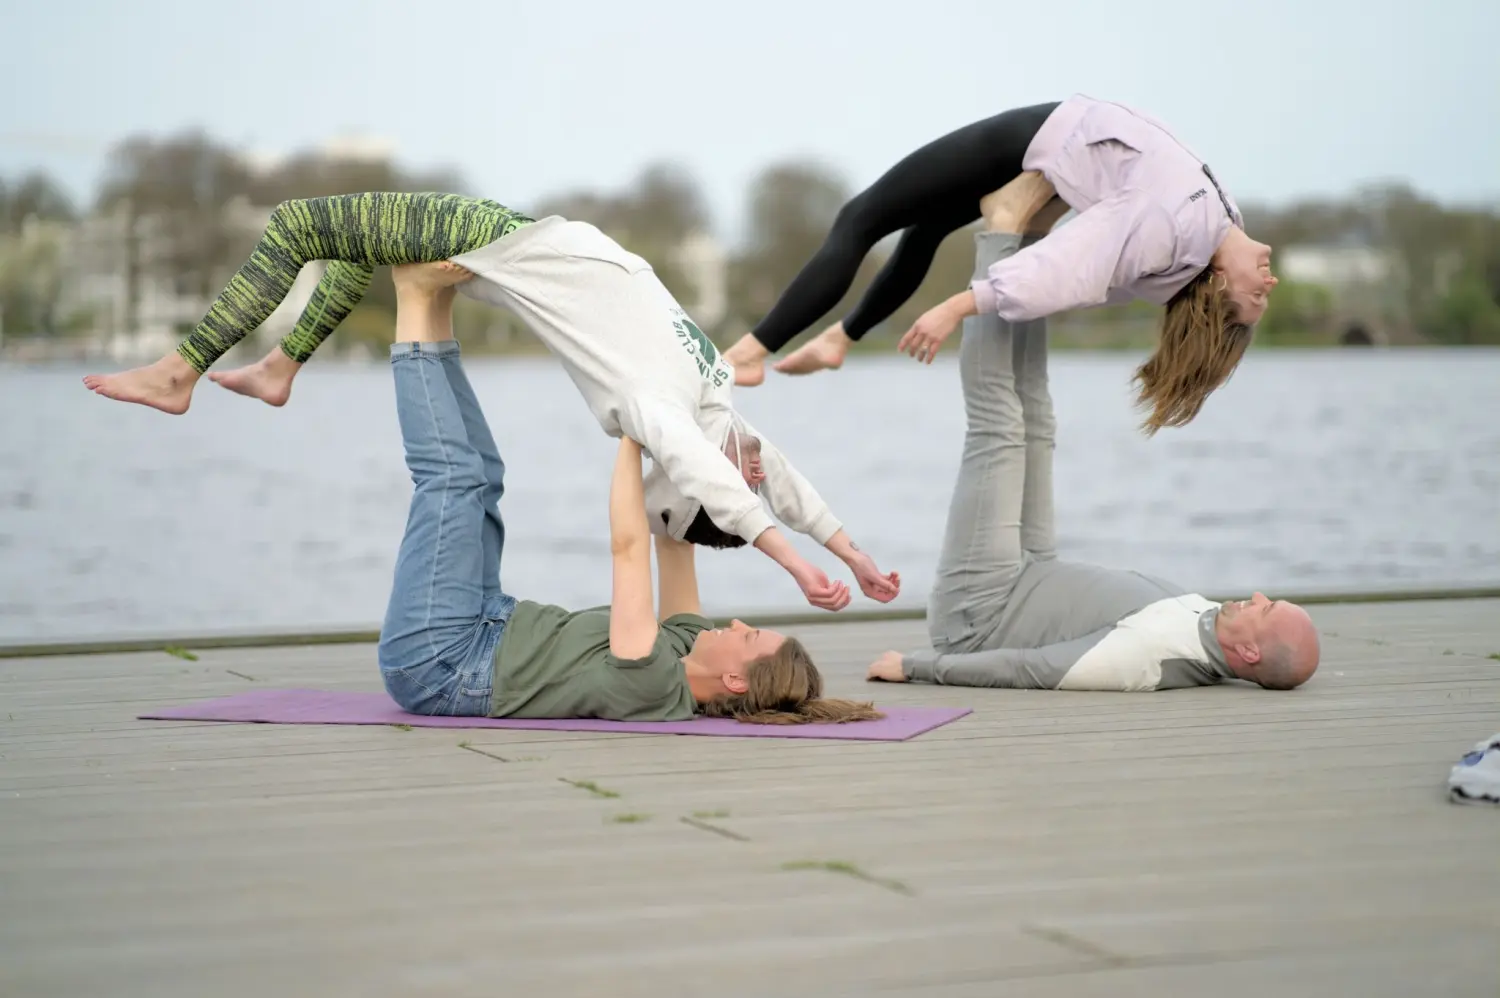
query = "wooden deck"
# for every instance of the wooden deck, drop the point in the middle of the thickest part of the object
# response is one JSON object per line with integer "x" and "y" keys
{"x": 1224, "y": 842}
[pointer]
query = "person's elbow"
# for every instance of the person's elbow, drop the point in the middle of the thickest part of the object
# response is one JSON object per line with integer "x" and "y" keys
{"x": 630, "y": 544}
{"x": 1022, "y": 300}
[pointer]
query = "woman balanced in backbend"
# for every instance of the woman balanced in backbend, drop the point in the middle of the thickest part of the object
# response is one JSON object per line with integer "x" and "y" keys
{"x": 1152, "y": 223}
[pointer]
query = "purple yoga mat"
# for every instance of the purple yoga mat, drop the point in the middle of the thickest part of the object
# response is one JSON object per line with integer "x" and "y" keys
{"x": 329, "y": 707}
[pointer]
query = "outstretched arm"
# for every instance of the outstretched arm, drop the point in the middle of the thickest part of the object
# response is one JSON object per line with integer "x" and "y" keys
{"x": 872, "y": 582}
{"x": 1074, "y": 267}
{"x": 797, "y": 504}
{"x": 632, "y": 620}
{"x": 1077, "y": 265}
{"x": 1112, "y": 658}
{"x": 698, "y": 470}
{"x": 815, "y": 585}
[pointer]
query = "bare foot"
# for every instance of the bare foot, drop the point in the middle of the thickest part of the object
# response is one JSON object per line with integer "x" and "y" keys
{"x": 268, "y": 379}
{"x": 1014, "y": 207}
{"x": 824, "y": 352}
{"x": 166, "y": 385}
{"x": 748, "y": 358}
{"x": 429, "y": 277}
{"x": 750, "y": 374}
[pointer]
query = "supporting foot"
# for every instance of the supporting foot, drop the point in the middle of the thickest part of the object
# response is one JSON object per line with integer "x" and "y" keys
{"x": 1028, "y": 205}
{"x": 429, "y": 277}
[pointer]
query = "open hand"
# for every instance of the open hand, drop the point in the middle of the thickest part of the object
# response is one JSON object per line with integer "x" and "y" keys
{"x": 886, "y": 669}
{"x": 928, "y": 332}
{"x": 881, "y": 588}
{"x": 819, "y": 590}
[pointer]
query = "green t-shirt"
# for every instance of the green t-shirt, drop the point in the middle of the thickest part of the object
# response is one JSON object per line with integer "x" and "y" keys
{"x": 556, "y": 663}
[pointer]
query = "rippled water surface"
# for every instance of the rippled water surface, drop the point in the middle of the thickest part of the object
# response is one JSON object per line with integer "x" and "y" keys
{"x": 1337, "y": 470}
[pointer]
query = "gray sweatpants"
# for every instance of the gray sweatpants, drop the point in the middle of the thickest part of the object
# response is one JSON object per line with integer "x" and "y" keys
{"x": 1000, "y": 518}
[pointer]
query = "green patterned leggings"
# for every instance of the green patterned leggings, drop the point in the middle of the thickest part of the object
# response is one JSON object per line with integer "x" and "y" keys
{"x": 355, "y": 233}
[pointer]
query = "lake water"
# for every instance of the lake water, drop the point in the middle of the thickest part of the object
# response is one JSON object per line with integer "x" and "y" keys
{"x": 1309, "y": 471}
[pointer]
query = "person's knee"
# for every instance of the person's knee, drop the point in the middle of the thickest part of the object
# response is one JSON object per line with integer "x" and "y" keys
{"x": 466, "y": 471}
{"x": 991, "y": 405}
{"x": 920, "y": 244}
{"x": 290, "y": 213}
{"x": 447, "y": 469}
{"x": 997, "y": 418}
{"x": 494, "y": 479}
{"x": 283, "y": 223}
{"x": 858, "y": 223}
{"x": 1039, "y": 416}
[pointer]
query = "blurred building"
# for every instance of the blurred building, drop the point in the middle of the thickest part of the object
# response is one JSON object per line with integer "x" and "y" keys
{"x": 137, "y": 311}
{"x": 706, "y": 263}
{"x": 1368, "y": 289}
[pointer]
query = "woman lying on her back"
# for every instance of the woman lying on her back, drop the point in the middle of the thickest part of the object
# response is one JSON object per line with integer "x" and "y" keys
{"x": 453, "y": 642}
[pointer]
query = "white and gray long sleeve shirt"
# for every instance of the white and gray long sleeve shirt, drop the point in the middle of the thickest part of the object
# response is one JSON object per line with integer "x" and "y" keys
{"x": 1069, "y": 626}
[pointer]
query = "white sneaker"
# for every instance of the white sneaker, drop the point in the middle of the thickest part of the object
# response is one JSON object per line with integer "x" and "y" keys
{"x": 1476, "y": 778}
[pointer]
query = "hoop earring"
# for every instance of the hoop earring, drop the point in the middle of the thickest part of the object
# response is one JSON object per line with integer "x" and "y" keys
{"x": 1223, "y": 283}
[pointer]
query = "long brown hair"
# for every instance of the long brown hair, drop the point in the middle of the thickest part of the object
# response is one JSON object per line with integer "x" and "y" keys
{"x": 786, "y": 688}
{"x": 1202, "y": 341}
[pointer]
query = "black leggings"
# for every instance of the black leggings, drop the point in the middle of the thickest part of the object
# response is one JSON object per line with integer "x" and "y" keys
{"x": 929, "y": 194}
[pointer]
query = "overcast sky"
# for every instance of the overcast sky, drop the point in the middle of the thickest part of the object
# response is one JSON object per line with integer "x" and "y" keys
{"x": 1283, "y": 97}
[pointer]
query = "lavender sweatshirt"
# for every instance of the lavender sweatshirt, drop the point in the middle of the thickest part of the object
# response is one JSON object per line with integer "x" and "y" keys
{"x": 1150, "y": 216}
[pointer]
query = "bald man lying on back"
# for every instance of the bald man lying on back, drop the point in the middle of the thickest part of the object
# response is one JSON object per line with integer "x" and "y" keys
{"x": 1005, "y": 612}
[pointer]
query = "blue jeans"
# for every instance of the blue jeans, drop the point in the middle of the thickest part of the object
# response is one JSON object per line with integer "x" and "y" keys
{"x": 447, "y": 612}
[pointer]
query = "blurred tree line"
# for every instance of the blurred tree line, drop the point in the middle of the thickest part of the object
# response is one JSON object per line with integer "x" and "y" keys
{"x": 187, "y": 212}
{"x": 34, "y": 214}
{"x": 1445, "y": 284}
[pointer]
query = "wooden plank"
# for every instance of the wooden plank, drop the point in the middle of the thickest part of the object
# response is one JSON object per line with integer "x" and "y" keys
{"x": 1226, "y": 840}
